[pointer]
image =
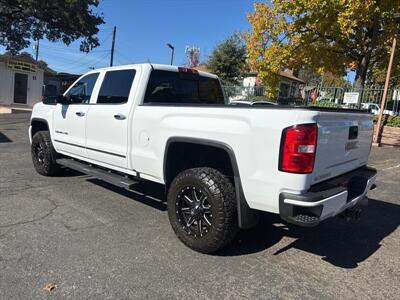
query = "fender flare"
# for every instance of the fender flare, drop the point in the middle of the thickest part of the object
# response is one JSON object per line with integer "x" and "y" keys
{"x": 41, "y": 120}
{"x": 247, "y": 217}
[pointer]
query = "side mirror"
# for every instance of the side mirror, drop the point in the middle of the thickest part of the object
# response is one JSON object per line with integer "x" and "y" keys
{"x": 62, "y": 100}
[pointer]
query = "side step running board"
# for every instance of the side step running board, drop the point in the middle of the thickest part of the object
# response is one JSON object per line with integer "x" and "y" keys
{"x": 113, "y": 178}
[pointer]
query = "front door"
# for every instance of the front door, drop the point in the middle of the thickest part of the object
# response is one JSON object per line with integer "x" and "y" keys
{"x": 20, "y": 88}
{"x": 108, "y": 119}
{"x": 70, "y": 120}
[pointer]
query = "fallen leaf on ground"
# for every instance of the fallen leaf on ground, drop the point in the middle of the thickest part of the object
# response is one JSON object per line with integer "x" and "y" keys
{"x": 49, "y": 287}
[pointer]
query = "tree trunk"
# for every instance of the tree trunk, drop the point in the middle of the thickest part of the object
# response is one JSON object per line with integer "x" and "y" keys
{"x": 361, "y": 74}
{"x": 364, "y": 63}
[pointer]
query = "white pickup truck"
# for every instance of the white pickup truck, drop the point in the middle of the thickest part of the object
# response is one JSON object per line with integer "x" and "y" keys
{"x": 221, "y": 164}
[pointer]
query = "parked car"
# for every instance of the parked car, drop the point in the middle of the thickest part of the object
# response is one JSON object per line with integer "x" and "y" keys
{"x": 393, "y": 107}
{"x": 375, "y": 109}
{"x": 221, "y": 164}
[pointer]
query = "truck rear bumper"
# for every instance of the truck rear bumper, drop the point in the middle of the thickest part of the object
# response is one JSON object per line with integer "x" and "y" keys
{"x": 327, "y": 199}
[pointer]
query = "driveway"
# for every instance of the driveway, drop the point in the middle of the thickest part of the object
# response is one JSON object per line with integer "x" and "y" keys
{"x": 95, "y": 241}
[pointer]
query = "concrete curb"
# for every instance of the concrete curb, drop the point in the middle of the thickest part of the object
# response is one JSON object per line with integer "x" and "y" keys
{"x": 14, "y": 109}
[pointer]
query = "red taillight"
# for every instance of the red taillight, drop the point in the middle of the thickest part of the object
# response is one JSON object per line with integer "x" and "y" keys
{"x": 298, "y": 147}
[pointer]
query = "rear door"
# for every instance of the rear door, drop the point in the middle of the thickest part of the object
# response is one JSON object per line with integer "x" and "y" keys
{"x": 108, "y": 118}
{"x": 20, "y": 88}
{"x": 69, "y": 121}
{"x": 344, "y": 143}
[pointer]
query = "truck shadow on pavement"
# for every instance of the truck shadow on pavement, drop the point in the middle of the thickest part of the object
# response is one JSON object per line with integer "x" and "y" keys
{"x": 341, "y": 243}
{"x": 4, "y": 138}
{"x": 338, "y": 242}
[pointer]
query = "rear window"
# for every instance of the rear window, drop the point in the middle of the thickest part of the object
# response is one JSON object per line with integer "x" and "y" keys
{"x": 167, "y": 87}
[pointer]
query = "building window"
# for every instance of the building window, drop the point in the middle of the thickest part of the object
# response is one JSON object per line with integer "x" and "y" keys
{"x": 284, "y": 90}
{"x": 293, "y": 90}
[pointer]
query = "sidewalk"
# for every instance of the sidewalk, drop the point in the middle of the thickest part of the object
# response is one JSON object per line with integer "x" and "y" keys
{"x": 14, "y": 108}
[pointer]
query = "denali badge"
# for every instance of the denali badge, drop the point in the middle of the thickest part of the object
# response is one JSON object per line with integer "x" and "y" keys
{"x": 62, "y": 132}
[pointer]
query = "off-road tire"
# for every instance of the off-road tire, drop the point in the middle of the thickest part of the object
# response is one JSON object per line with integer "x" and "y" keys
{"x": 220, "y": 194}
{"x": 44, "y": 160}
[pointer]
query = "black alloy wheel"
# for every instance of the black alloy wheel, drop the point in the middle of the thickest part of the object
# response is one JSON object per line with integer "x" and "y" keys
{"x": 202, "y": 209}
{"x": 43, "y": 154}
{"x": 194, "y": 211}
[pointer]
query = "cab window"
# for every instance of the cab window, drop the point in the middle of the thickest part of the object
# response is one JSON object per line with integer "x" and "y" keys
{"x": 81, "y": 92}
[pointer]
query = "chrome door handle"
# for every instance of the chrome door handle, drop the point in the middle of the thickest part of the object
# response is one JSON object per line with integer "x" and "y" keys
{"x": 119, "y": 117}
{"x": 80, "y": 113}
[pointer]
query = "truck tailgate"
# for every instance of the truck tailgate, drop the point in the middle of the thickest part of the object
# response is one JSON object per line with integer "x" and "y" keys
{"x": 344, "y": 143}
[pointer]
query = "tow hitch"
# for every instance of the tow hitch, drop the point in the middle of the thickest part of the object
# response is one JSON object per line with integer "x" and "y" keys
{"x": 351, "y": 214}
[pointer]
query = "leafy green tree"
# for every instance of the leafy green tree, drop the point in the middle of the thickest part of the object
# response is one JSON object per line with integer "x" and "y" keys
{"x": 326, "y": 79}
{"x": 324, "y": 35}
{"x": 228, "y": 59}
{"x": 22, "y": 21}
{"x": 310, "y": 77}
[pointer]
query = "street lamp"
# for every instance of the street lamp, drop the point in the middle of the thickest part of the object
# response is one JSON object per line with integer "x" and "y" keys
{"x": 378, "y": 129}
{"x": 172, "y": 52}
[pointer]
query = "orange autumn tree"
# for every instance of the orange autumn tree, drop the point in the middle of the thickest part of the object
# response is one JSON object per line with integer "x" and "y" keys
{"x": 322, "y": 35}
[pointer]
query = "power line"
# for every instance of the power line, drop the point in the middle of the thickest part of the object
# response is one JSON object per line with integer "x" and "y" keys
{"x": 61, "y": 49}
{"x": 70, "y": 61}
{"x": 92, "y": 65}
{"x": 99, "y": 60}
{"x": 119, "y": 62}
{"x": 126, "y": 58}
{"x": 90, "y": 61}
{"x": 103, "y": 41}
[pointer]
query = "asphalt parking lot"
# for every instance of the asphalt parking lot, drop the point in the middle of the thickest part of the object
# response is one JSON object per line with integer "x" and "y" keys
{"x": 95, "y": 241}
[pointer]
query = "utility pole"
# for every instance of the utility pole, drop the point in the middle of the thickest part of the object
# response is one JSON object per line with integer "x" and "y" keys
{"x": 378, "y": 129}
{"x": 37, "y": 50}
{"x": 172, "y": 52}
{"x": 112, "y": 46}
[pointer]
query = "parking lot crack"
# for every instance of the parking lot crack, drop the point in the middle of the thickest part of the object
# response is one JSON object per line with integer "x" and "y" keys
{"x": 42, "y": 217}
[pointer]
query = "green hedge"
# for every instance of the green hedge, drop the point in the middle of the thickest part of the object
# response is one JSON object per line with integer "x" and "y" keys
{"x": 326, "y": 104}
{"x": 390, "y": 121}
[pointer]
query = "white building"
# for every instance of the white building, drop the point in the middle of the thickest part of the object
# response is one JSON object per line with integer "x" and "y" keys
{"x": 289, "y": 85}
{"x": 21, "y": 80}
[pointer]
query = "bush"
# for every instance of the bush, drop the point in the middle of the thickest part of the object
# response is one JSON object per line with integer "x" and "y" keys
{"x": 290, "y": 101}
{"x": 260, "y": 98}
{"x": 326, "y": 104}
{"x": 390, "y": 121}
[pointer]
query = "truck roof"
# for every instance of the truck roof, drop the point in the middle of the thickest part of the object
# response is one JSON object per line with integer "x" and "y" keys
{"x": 163, "y": 67}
